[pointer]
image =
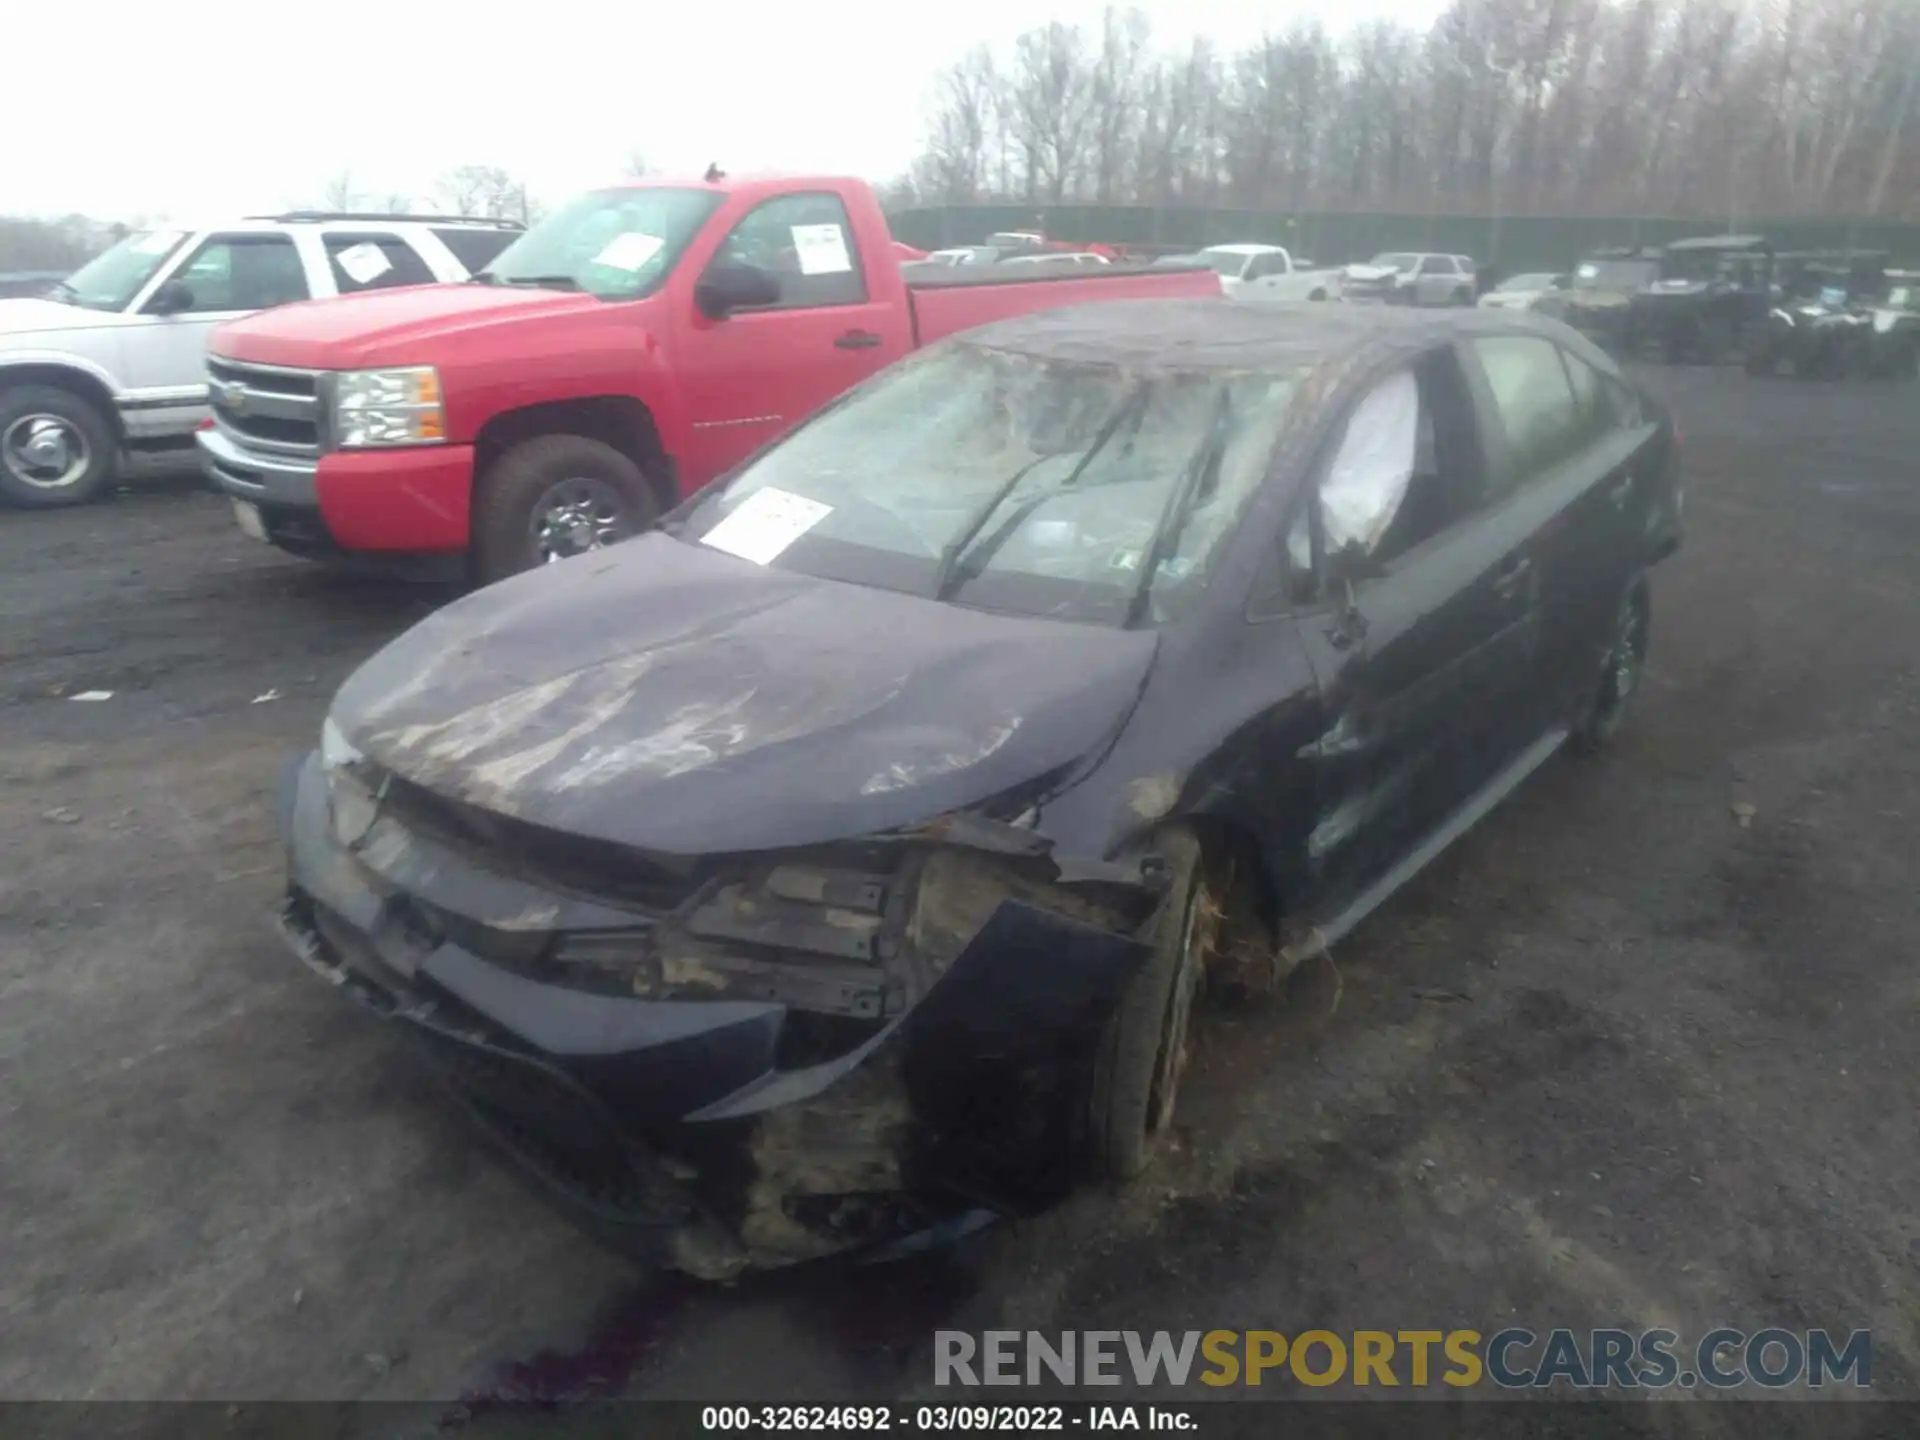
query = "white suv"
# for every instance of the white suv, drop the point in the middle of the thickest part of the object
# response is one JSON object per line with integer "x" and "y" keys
{"x": 113, "y": 357}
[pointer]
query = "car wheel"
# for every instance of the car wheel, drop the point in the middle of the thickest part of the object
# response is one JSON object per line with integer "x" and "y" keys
{"x": 554, "y": 497}
{"x": 1625, "y": 667}
{"x": 56, "y": 448}
{"x": 1141, "y": 1052}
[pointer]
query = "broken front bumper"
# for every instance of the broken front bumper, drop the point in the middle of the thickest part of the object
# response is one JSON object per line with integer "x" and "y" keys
{"x": 750, "y": 1089}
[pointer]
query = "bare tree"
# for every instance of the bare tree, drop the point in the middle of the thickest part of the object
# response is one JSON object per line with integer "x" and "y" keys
{"x": 338, "y": 193}
{"x": 487, "y": 191}
{"x": 1715, "y": 108}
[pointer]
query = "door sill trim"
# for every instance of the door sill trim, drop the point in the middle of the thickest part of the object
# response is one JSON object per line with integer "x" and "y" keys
{"x": 1469, "y": 814}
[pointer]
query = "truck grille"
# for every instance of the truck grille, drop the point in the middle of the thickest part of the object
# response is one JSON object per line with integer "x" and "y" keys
{"x": 266, "y": 407}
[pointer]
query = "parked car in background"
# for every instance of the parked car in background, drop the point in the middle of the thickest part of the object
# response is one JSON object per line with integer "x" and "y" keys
{"x": 1840, "y": 316}
{"x": 964, "y": 255}
{"x": 1598, "y": 291}
{"x": 1523, "y": 292}
{"x": 1711, "y": 290}
{"x": 836, "y": 866}
{"x": 112, "y": 358}
{"x": 633, "y": 345}
{"x": 1267, "y": 272}
{"x": 1061, "y": 259}
{"x": 1413, "y": 278}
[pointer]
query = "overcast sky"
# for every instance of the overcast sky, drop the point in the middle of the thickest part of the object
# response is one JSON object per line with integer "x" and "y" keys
{"x": 118, "y": 109}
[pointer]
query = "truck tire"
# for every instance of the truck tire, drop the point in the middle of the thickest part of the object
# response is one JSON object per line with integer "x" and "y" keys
{"x": 554, "y": 496}
{"x": 1141, "y": 1050}
{"x": 56, "y": 448}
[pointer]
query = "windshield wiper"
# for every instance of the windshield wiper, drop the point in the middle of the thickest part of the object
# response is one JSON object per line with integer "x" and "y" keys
{"x": 64, "y": 293}
{"x": 483, "y": 277}
{"x": 1179, "y": 506}
{"x": 951, "y": 575}
{"x": 555, "y": 282}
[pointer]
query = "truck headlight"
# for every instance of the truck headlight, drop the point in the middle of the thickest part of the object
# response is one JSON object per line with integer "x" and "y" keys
{"x": 388, "y": 407}
{"x": 336, "y": 751}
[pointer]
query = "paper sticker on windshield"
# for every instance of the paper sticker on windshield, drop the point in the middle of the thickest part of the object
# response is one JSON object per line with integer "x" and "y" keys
{"x": 629, "y": 251}
{"x": 158, "y": 243}
{"x": 822, "y": 249}
{"x": 767, "y": 522}
{"x": 363, "y": 264}
{"x": 1587, "y": 272}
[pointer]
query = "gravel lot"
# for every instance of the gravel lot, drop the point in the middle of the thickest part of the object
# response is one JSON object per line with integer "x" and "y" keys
{"x": 1632, "y": 1053}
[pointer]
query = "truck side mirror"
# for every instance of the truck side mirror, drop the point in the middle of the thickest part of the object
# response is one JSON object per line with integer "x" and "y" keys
{"x": 171, "y": 298}
{"x": 729, "y": 286}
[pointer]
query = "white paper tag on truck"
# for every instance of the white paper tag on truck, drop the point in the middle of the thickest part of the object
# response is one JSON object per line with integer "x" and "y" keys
{"x": 767, "y": 522}
{"x": 363, "y": 264}
{"x": 629, "y": 251}
{"x": 822, "y": 249}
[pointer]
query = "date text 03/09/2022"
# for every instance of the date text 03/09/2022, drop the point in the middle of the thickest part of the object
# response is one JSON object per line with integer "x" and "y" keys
{"x": 990, "y": 1419}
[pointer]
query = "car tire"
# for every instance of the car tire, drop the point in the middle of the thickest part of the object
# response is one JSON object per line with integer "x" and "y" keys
{"x": 56, "y": 448}
{"x": 1622, "y": 674}
{"x": 1140, "y": 1052}
{"x": 553, "y": 486}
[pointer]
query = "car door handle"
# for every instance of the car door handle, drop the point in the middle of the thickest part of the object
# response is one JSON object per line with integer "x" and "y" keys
{"x": 1512, "y": 576}
{"x": 858, "y": 340}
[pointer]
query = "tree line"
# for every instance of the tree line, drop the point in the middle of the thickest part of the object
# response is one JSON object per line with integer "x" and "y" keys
{"x": 1712, "y": 108}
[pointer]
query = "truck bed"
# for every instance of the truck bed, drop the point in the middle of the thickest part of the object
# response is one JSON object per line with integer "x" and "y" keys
{"x": 942, "y": 305}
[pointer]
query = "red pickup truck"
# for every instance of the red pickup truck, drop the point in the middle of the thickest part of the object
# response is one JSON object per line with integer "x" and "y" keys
{"x": 626, "y": 350}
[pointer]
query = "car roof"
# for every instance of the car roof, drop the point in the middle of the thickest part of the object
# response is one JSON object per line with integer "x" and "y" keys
{"x": 279, "y": 225}
{"x": 1240, "y": 248}
{"x": 1181, "y": 335}
{"x": 1719, "y": 242}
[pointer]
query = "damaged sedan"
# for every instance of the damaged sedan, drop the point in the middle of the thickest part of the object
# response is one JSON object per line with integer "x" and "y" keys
{"x": 837, "y": 866}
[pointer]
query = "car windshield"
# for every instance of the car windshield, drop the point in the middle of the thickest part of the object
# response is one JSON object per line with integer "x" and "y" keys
{"x": 110, "y": 280}
{"x": 1527, "y": 282}
{"x": 1004, "y": 482}
{"x": 616, "y": 244}
{"x": 1697, "y": 265}
{"x": 1614, "y": 274}
{"x": 1225, "y": 262}
{"x": 1402, "y": 263}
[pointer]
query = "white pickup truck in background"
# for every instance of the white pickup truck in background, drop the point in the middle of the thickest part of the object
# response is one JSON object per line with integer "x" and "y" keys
{"x": 1267, "y": 272}
{"x": 113, "y": 358}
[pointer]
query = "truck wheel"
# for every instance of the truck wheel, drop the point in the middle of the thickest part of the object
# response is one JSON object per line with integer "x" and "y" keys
{"x": 56, "y": 448}
{"x": 1621, "y": 676}
{"x": 552, "y": 497}
{"x": 1141, "y": 1052}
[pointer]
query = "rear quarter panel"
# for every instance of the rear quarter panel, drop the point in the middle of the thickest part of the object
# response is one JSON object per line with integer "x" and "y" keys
{"x": 941, "y": 310}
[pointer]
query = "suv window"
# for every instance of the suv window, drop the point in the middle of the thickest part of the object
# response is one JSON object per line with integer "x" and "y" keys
{"x": 1405, "y": 468}
{"x": 243, "y": 272}
{"x": 374, "y": 262}
{"x": 1535, "y": 402}
{"x": 807, "y": 242}
{"x": 474, "y": 249}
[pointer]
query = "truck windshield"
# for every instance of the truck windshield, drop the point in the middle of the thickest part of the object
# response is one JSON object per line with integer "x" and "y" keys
{"x": 1004, "y": 482}
{"x": 1614, "y": 274}
{"x": 617, "y": 244}
{"x": 111, "y": 279}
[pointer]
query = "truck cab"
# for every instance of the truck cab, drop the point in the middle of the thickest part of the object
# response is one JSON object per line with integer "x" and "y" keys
{"x": 631, "y": 347}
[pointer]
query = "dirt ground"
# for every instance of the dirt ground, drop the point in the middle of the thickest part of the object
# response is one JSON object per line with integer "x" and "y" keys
{"x": 1631, "y": 1054}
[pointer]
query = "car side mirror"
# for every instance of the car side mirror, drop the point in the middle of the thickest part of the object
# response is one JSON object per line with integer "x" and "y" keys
{"x": 1351, "y": 565}
{"x": 728, "y": 286}
{"x": 171, "y": 298}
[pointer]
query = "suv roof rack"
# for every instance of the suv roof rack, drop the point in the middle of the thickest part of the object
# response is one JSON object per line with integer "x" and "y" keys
{"x": 292, "y": 217}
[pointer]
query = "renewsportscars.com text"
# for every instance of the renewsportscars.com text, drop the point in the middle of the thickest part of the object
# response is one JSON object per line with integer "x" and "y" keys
{"x": 1512, "y": 1358}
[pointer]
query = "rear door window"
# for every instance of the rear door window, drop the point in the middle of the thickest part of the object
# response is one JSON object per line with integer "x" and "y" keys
{"x": 1534, "y": 402}
{"x": 374, "y": 262}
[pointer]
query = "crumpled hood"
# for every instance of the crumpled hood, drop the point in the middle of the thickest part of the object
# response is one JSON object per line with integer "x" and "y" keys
{"x": 382, "y": 327}
{"x": 1371, "y": 272}
{"x": 669, "y": 697}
